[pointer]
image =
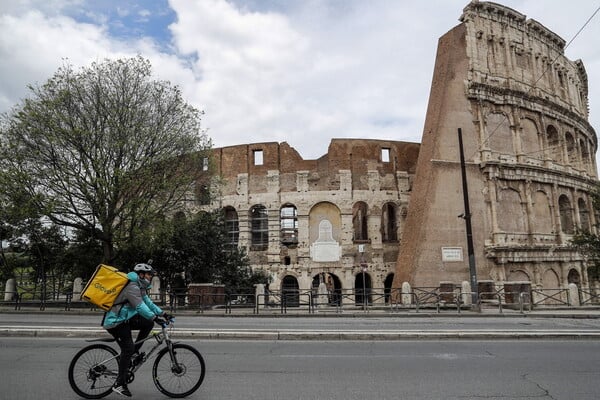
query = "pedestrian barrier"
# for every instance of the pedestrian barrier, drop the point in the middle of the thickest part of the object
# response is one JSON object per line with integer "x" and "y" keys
{"x": 418, "y": 299}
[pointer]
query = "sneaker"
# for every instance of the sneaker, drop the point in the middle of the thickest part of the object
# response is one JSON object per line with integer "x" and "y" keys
{"x": 122, "y": 390}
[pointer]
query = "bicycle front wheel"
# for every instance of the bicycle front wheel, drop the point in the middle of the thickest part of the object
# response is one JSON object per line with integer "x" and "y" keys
{"x": 93, "y": 371}
{"x": 180, "y": 376}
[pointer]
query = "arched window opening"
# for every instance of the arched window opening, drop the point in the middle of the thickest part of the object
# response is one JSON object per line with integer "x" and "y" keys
{"x": 585, "y": 154}
{"x": 552, "y": 288}
{"x": 566, "y": 214}
{"x": 389, "y": 224}
{"x": 554, "y": 145}
{"x": 387, "y": 288}
{"x": 232, "y": 225}
{"x": 498, "y": 134}
{"x": 362, "y": 289}
{"x": 290, "y": 292}
{"x": 259, "y": 225}
{"x": 288, "y": 217}
{"x": 510, "y": 203}
{"x": 584, "y": 215}
{"x": 359, "y": 221}
{"x": 530, "y": 139}
{"x": 332, "y": 283}
{"x": 574, "y": 277}
{"x": 571, "y": 149}
{"x": 542, "y": 213}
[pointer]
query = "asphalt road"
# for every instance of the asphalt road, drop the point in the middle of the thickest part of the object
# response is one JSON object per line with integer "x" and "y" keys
{"x": 35, "y": 368}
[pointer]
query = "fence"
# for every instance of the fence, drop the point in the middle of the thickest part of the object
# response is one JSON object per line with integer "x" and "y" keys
{"x": 417, "y": 300}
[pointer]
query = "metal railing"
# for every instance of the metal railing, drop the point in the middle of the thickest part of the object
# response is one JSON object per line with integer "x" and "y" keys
{"x": 311, "y": 301}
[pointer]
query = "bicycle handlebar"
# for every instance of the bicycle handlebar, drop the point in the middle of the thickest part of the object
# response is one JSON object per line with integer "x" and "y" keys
{"x": 167, "y": 321}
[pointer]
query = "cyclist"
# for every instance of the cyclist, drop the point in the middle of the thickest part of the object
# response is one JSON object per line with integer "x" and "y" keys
{"x": 132, "y": 310}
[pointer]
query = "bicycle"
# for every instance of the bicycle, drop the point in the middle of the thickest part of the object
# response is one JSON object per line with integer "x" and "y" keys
{"x": 178, "y": 370}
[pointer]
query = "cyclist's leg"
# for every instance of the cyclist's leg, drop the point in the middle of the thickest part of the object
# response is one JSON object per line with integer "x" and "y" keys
{"x": 143, "y": 325}
{"x": 122, "y": 333}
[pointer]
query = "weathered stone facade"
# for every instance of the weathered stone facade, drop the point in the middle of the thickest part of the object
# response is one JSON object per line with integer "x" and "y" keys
{"x": 302, "y": 218}
{"x": 522, "y": 107}
{"x": 530, "y": 157}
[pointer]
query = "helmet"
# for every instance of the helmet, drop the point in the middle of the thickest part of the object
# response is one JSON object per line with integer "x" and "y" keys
{"x": 144, "y": 268}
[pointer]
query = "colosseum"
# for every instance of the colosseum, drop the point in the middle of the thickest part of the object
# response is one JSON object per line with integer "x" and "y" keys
{"x": 380, "y": 214}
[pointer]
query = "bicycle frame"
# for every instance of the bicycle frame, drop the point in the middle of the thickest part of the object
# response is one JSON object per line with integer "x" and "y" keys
{"x": 160, "y": 337}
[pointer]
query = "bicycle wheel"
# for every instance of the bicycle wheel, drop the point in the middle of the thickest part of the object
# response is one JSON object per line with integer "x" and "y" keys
{"x": 181, "y": 377}
{"x": 93, "y": 371}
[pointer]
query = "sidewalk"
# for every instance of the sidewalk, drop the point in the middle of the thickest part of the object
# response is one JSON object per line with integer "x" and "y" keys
{"x": 564, "y": 324}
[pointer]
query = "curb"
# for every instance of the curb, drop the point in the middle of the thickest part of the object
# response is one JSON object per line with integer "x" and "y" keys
{"x": 573, "y": 314}
{"x": 319, "y": 335}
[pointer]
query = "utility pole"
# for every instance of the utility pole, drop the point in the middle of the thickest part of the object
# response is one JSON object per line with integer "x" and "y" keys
{"x": 467, "y": 218}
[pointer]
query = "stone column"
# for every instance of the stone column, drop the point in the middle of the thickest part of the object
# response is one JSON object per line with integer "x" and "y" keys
{"x": 77, "y": 288}
{"x": 574, "y": 295}
{"x": 323, "y": 296}
{"x": 155, "y": 289}
{"x": 10, "y": 290}
{"x": 259, "y": 292}
{"x": 465, "y": 288}
{"x": 407, "y": 297}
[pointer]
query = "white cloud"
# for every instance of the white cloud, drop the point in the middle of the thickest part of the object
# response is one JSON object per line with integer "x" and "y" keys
{"x": 304, "y": 72}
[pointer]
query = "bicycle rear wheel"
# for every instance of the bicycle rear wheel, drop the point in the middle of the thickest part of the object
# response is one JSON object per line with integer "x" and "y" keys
{"x": 93, "y": 371}
{"x": 183, "y": 375}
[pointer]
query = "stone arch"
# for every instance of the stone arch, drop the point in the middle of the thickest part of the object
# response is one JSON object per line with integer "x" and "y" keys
{"x": 509, "y": 203}
{"x": 572, "y": 152}
{"x": 518, "y": 275}
{"x": 359, "y": 221}
{"x": 584, "y": 215}
{"x": 290, "y": 291}
{"x": 530, "y": 139}
{"x": 362, "y": 287}
{"x": 498, "y": 133}
{"x": 324, "y": 211}
{"x": 542, "y": 213}
{"x": 550, "y": 279}
{"x": 585, "y": 154}
{"x": 232, "y": 226}
{"x": 389, "y": 222}
{"x": 333, "y": 284}
{"x": 288, "y": 222}
{"x": 574, "y": 277}
{"x": 566, "y": 214}
{"x": 551, "y": 284}
{"x": 259, "y": 227}
{"x": 387, "y": 287}
{"x": 324, "y": 230}
{"x": 554, "y": 144}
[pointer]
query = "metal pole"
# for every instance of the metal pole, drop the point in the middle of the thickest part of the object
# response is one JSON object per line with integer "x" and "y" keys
{"x": 467, "y": 218}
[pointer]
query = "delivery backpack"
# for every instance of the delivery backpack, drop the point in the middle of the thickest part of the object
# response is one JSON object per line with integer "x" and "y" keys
{"x": 104, "y": 286}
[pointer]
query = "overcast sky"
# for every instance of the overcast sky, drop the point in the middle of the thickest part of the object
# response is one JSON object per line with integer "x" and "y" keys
{"x": 300, "y": 71}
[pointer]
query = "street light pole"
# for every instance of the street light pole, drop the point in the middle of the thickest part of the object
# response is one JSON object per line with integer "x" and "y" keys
{"x": 467, "y": 218}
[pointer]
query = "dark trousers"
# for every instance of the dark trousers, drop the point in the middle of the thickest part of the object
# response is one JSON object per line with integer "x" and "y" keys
{"x": 122, "y": 333}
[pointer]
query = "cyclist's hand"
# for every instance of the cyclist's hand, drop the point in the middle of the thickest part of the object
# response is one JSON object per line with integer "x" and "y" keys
{"x": 168, "y": 317}
{"x": 160, "y": 321}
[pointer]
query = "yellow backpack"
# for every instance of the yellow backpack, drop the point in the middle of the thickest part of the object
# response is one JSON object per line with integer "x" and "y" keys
{"x": 104, "y": 286}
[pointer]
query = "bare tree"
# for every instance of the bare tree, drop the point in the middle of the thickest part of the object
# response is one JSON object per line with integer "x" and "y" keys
{"x": 104, "y": 149}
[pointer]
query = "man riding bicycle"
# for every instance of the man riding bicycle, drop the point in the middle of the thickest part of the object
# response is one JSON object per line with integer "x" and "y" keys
{"x": 132, "y": 310}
